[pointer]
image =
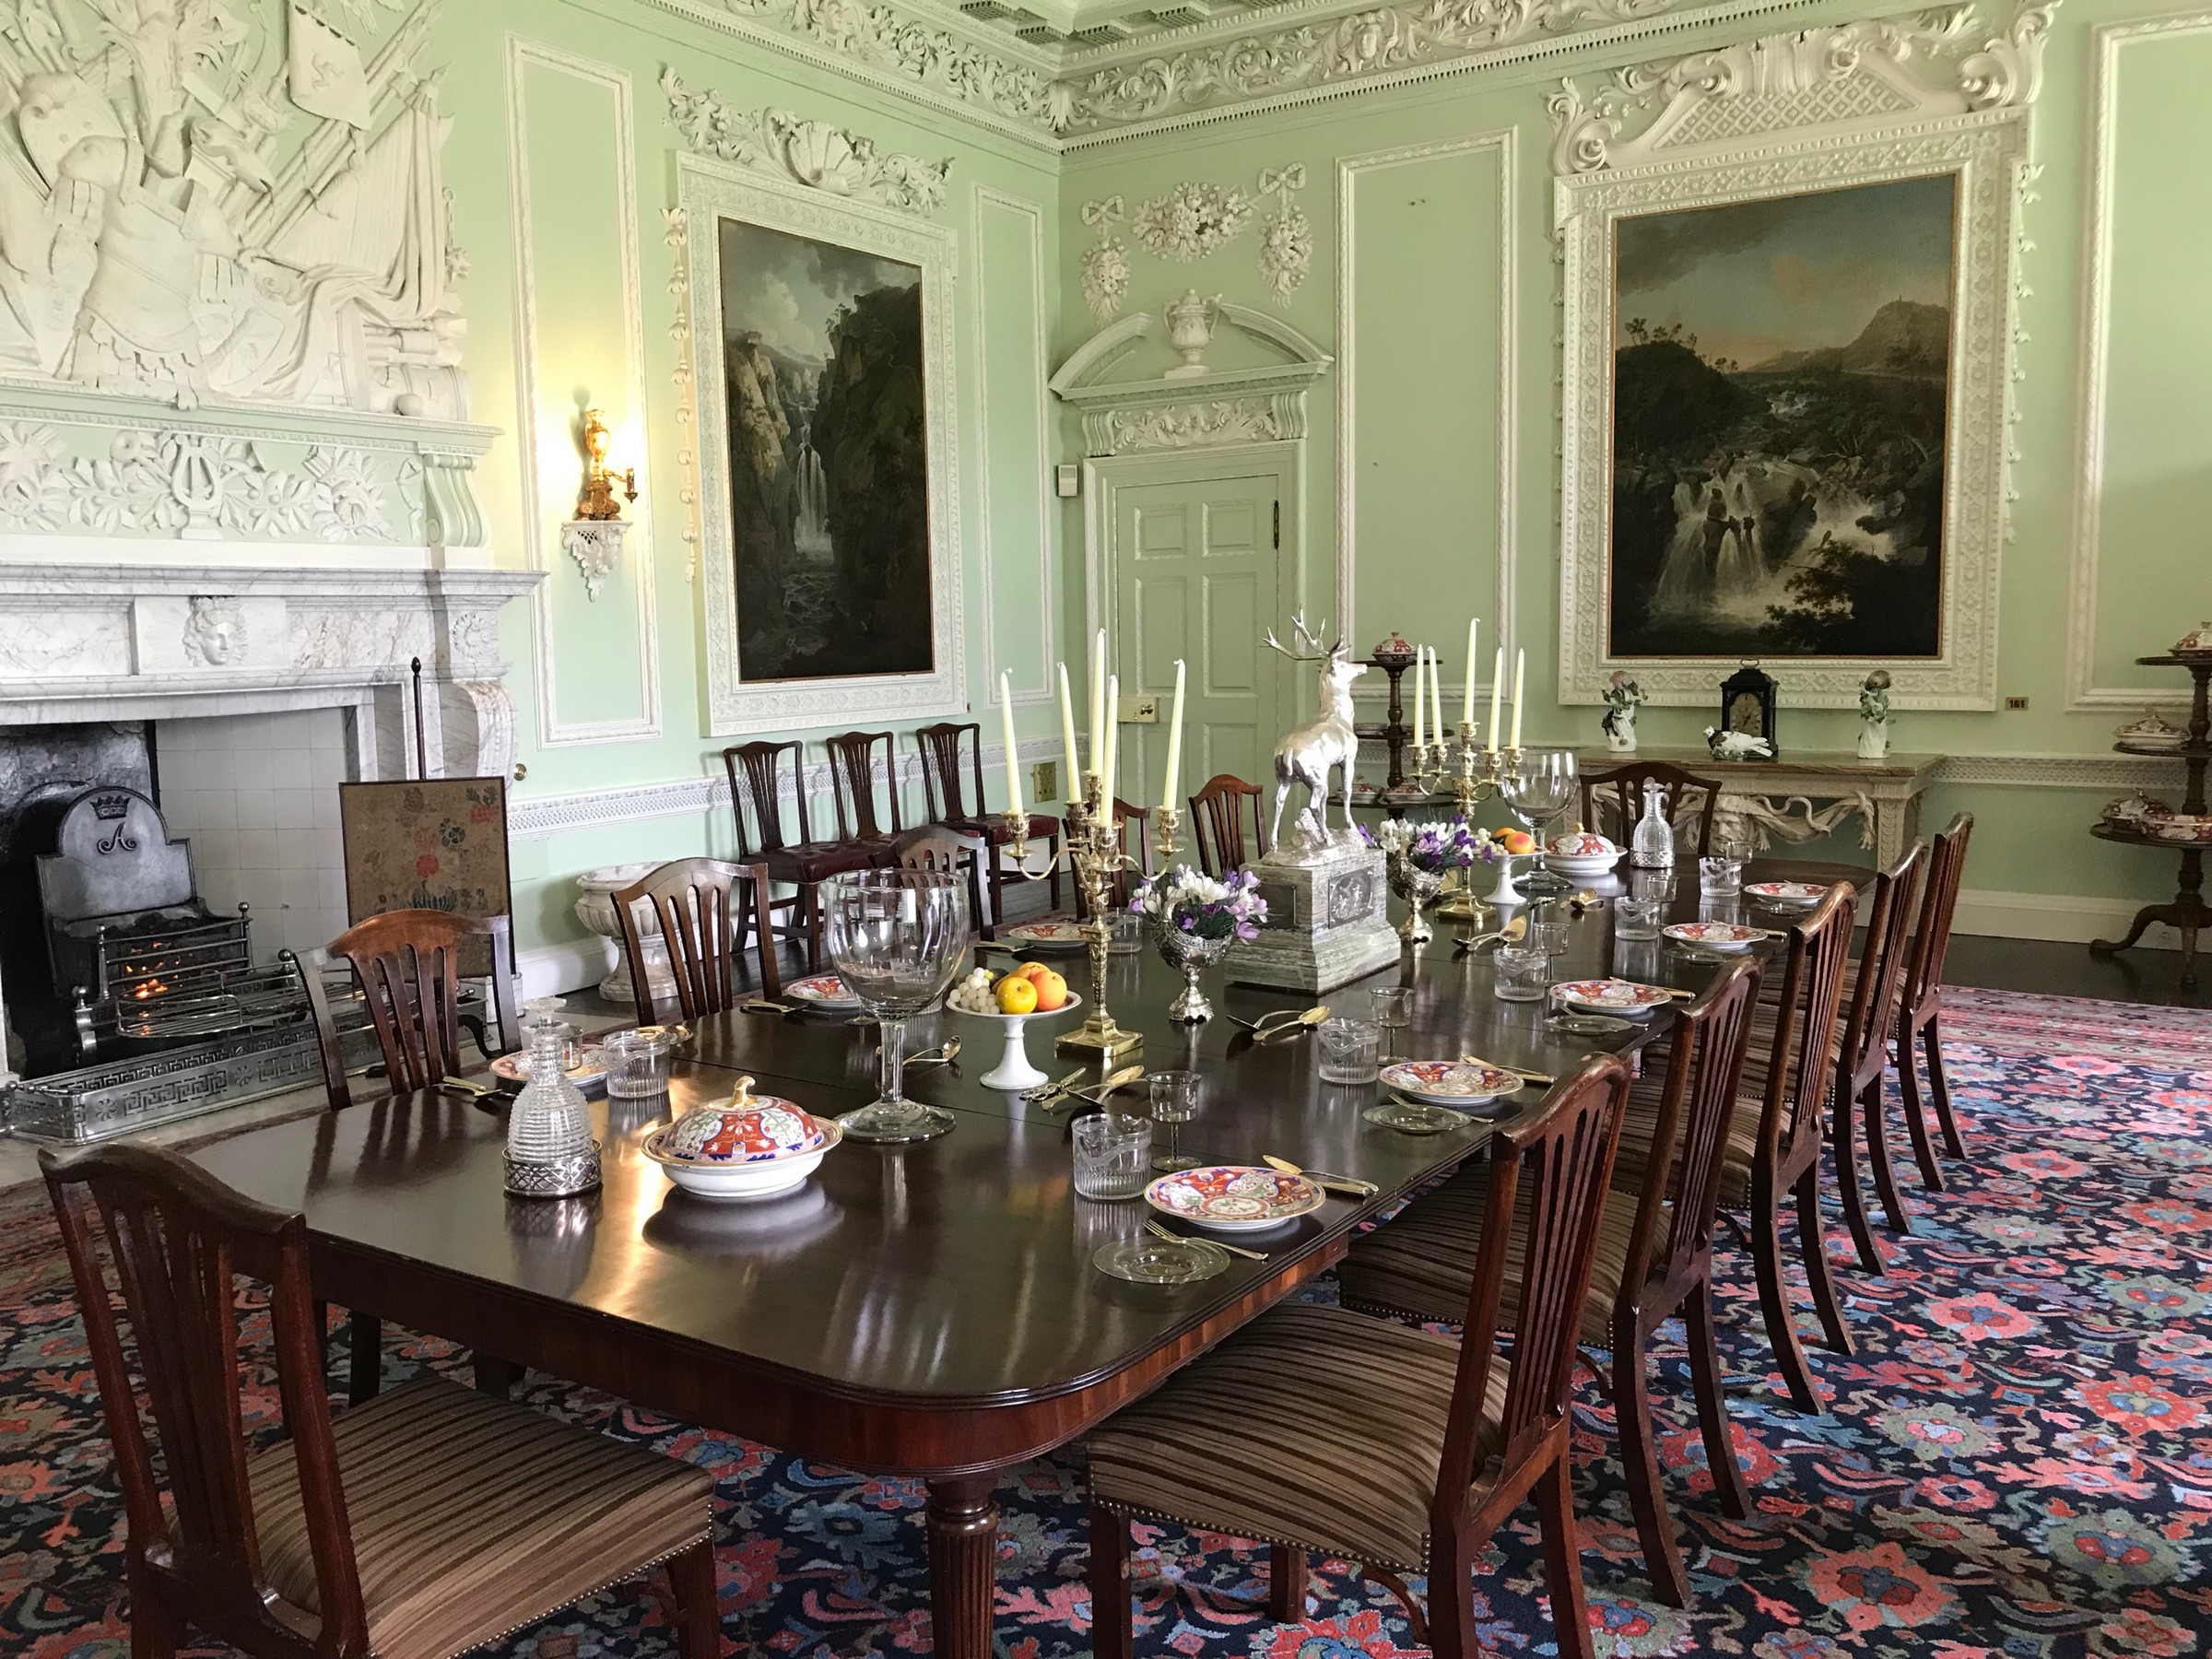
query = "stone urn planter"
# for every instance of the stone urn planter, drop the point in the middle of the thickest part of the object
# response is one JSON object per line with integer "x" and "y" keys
{"x": 596, "y": 910}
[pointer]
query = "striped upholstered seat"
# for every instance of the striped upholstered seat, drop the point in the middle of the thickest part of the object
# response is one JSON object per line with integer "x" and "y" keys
{"x": 472, "y": 1518}
{"x": 1311, "y": 1427}
{"x": 1422, "y": 1261}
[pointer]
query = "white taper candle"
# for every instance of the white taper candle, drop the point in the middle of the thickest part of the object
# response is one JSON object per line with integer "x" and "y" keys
{"x": 1074, "y": 787}
{"x": 1520, "y": 665}
{"x": 1112, "y": 744}
{"x": 1167, "y": 788}
{"x": 1421, "y": 668}
{"x": 1497, "y": 689}
{"x": 1005, "y": 721}
{"x": 1466, "y": 709}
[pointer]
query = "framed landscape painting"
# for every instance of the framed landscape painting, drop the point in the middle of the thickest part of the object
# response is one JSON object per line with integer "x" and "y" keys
{"x": 1788, "y": 332}
{"x": 825, "y": 419}
{"x": 1780, "y": 388}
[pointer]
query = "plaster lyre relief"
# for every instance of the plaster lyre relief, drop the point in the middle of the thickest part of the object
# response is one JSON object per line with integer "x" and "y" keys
{"x": 213, "y": 212}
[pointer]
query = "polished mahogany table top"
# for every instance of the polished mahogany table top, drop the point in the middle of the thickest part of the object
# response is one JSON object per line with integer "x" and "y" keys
{"x": 929, "y": 1308}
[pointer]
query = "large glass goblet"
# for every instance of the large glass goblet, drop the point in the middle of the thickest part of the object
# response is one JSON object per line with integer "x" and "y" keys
{"x": 898, "y": 937}
{"x": 1536, "y": 789}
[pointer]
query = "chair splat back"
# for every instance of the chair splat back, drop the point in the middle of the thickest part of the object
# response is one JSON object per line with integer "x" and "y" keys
{"x": 1620, "y": 790}
{"x": 407, "y": 963}
{"x": 1812, "y": 993}
{"x": 757, "y": 780}
{"x": 945, "y": 797}
{"x": 1872, "y": 1014}
{"x": 177, "y": 1238}
{"x": 1218, "y": 823}
{"x": 1939, "y": 906}
{"x": 701, "y": 907}
{"x": 853, "y": 784}
{"x": 1563, "y": 1155}
{"x": 1705, "y": 1067}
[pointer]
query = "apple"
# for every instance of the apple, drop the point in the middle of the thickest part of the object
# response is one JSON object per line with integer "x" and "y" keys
{"x": 1051, "y": 991}
{"x": 1033, "y": 972}
{"x": 1016, "y": 995}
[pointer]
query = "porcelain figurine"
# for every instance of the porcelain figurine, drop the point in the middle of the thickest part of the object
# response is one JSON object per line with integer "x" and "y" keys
{"x": 1623, "y": 698}
{"x": 1874, "y": 715}
{"x": 1736, "y": 746}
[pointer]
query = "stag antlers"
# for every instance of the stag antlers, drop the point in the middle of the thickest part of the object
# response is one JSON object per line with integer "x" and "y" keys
{"x": 1307, "y": 637}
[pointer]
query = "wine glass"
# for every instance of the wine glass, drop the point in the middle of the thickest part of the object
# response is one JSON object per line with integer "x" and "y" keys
{"x": 1536, "y": 788}
{"x": 898, "y": 937}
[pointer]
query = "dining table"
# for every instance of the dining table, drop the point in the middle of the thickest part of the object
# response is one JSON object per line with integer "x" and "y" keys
{"x": 928, "y": 1309}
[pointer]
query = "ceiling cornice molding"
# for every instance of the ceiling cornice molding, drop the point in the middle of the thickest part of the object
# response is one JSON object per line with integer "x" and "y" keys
{"x": 1068, "y": 99}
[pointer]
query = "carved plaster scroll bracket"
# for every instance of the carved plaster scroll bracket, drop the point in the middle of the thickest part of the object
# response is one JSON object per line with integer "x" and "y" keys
{"x": 814, "y": 153}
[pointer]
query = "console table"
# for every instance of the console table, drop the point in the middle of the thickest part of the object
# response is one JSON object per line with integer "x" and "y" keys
{"x": 1757, "y": 796}
{"x": 2186, "y": 913}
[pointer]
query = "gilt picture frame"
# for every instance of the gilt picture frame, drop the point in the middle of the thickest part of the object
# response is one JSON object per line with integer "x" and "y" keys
{"x": 781, "y": 279}
{"x": 1933, "y": 124}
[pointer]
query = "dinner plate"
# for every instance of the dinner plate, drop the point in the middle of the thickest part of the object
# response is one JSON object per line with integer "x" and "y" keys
{"x": 1715, "y": 936}
{"x": 823, "y": 991}
{"x": 1788, "y": 895}
{"x": 1045, "y": 935}
{"x": 1232, "y": 1199}
{"x": 1622, "y": 998}
{"x": 588, "y": 1072}
{"x": 1449, "y": 1082}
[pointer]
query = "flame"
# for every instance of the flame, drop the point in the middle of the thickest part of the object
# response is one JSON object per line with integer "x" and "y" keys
{"x": 151, "y": 988}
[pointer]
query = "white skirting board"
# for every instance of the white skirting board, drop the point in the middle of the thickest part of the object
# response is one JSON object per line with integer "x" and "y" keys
{"x": 558, "y": 969}
{"x": 2064, "y": 916}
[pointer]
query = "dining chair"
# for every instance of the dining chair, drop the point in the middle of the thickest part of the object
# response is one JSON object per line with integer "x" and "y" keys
{"x": 1920, "y": 1003}
{"x": 418, "y": 1525}
{"x": 760, "y": 774}
{"x": 1863, "y": 1060}
{"x": 1217, "y": 823}
{"x": 936, "y": 847}
{"x": 853, "y": 787}
{"x": 945, "y": 798}
{"x": 1654, "y": 1261}
{"x": 1318, "y": 1429}
{"x": 702, "y": 907}
{"x": 1133, "y": 830}
{"x": 406, "y": 965}
{"x": 1620, "y": 790}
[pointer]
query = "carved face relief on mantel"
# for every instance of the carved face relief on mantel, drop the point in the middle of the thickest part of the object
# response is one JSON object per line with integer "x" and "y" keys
{"x": 214, "y": 221}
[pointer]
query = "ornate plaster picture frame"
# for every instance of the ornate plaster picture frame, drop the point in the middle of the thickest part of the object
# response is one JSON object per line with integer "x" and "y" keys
{"x": 849, "y": 260}
{"x": 1756, "y": 149}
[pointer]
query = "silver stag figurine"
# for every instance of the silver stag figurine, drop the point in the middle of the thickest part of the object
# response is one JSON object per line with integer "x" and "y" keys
{"x": 1307, "y": 752}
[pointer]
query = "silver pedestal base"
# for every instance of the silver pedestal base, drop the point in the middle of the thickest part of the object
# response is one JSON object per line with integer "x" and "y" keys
{"x": 1327, "y": 923}
{"x": 556, "y": 1177}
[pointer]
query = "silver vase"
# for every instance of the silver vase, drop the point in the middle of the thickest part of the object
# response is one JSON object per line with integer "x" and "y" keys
{"x": 1190, "y": 955}
{"x": 1418, "y": 887}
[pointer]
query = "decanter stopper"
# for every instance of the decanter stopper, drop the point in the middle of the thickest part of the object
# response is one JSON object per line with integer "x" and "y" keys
{"x": 550, "y": 1152}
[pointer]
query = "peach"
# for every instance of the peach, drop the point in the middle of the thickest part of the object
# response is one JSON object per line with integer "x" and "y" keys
{"x": 1051, "y": 991}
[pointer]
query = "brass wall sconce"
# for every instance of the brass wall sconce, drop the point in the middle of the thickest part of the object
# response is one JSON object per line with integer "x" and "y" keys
{"x": 594, "y": 537}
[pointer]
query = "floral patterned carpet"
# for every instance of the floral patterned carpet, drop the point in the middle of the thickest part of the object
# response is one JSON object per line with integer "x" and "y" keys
{"x": 2018, "y": 1459}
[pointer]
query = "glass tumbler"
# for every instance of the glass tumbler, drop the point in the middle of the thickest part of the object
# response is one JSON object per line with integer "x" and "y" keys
{"x": 1394, "y": 1013}
{"x": 1637, "y": 916}
{"x": 1722, "y": 874}
{"x": 1351, "y": 1050}
{"x": 1126, "y": 935}
{"x": 1522, "y": 972}
{"x": 1174, "y": 1097}
{"x": 1547, "y": 930}
{"x": 1111, "y": 1155}
{"x": 636, "y": 1063}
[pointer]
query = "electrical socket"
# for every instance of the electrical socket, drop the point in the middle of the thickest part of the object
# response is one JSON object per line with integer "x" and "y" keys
{"x": 1044, "y": 781}
{"x": 2014, "y": 705}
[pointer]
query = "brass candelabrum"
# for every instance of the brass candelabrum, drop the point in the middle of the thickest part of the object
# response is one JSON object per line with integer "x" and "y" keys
{"x": 1095, "y": 857}
{"x": 1470, "y": 774}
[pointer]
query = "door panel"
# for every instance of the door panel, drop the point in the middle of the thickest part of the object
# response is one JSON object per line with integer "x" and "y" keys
{"x": 1196, "y": 576}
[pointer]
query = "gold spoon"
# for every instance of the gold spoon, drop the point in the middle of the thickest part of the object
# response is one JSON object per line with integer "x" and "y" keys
{"x": 1158, "y": 1230}
{"x": 943, "y": 1055}
{"x": 1345, "y": 1184}
{"x": 1513, "y": 932}
{"x": 1120, "y": 1079}
{"x": 1290, "y": 1027}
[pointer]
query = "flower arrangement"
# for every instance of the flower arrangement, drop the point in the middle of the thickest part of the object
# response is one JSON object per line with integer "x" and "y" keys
{"x": 1434, "y": 848}
{"x": 1194, "y": 904}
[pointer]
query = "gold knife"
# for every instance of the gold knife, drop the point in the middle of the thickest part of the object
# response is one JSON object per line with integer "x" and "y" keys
{"x": 1519, "y": 1071}
{"x": 1058, "y": 1086}
{"x": 1345, "y": 1184}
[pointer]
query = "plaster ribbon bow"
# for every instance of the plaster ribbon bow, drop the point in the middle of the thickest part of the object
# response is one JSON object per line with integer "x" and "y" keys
{"x": 1108, "y": 212}
{"x": 1282, "y": 180}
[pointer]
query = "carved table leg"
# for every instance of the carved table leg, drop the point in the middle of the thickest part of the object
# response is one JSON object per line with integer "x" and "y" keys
{"x": 963, "y": 1547}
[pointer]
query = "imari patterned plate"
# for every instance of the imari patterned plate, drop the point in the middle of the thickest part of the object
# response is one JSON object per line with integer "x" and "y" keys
{"x": 823, "y": 991}
{"x": 1623, "y": 997}
{"x": 1449, "y": 1082}
{"x": 1791, "y": 895}
{"x": 589, "y": 1071}
{"x": 1715, "y": 936}
{"x": 1045, "y": 935}
{"x": 1233, "y": 1197}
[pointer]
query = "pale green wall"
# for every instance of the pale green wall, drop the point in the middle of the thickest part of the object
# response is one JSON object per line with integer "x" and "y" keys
{"x": 1439, "y": 362}
{"x": 571, "y": 165}
{"x": 1424, "y": 371}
